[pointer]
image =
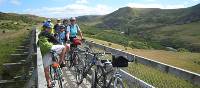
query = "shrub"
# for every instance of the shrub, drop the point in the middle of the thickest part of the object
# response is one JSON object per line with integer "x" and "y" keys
{"x": 139, "y": 45}
{"x": 182, "y": 50}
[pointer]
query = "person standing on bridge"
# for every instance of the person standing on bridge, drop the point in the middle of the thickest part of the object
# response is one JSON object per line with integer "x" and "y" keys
{"x": 57, "y": 28}
{"x": 48, "y": 22}
{"x": 73, "y": 29}
{"x": 48, "y": 42}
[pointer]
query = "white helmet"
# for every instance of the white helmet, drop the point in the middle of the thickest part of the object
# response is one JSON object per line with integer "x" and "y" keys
{"x": 49, "y": 20}
{"x": 72, "y": 18}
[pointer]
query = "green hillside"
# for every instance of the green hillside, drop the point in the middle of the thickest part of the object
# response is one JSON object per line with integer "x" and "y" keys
{"x": 148, "y": 28}
{"x": 13, "y": 29}
{"x": 25, "y": 18}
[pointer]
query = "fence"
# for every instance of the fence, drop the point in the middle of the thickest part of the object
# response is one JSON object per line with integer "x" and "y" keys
{"x": 41, "y": 81}
{"x": 185, "y": 74}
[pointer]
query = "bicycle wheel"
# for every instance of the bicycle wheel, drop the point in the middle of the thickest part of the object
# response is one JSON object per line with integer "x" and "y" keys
{"x": 118, "y": 83}
{"x": 101, "y": 81}
{"x": 79, "y": 68}
{"x": 59, "y": 75}
{"x": 52, "y": 76}
{"x": 94, "y": 79}
{"x": 68, "y": 60}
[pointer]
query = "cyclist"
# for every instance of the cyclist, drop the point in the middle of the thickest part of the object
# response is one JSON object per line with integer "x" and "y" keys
{"x": 47, "y": 42}
{"x": 73, "y": 29}
{"x": 48, "y": 22}
{"x": 62, "y": 34}
{"x": 65, "y": 22}
{"x": 57, "y": 28}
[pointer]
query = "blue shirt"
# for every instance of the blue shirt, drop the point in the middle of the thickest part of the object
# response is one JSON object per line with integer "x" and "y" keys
{"x": 73, "y": 30}
{"x": 62, "y": 37}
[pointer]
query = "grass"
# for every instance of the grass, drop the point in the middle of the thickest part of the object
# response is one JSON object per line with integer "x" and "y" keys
{"x": 184, "y": 60}
{"x": 157, "y": 78}
{"x": 8, "y": 42}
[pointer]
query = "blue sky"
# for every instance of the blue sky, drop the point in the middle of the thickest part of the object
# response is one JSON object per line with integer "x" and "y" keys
{"x": 68, "y": 8}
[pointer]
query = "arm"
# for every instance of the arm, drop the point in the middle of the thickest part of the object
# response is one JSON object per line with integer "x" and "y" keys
{"x": 52, "y": 39}
{"x": 68, "y": 32}
{"x": 67, "y": 35}
{"x": 80, "y": 33}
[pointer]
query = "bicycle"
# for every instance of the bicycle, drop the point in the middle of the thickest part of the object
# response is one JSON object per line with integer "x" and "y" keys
{"x": 73, "y": 58}
{"x": 55, "y": 70}
{"x": 89, "y": 63}
{"x": 100, "y": 76}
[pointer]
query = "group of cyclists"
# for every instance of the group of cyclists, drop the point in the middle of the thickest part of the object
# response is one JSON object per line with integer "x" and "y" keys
{"x": 55, "y": 37}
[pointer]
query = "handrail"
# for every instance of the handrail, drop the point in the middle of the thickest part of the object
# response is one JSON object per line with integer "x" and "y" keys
{"x": 41, "y": 82}
{"x": 185, "y": 74}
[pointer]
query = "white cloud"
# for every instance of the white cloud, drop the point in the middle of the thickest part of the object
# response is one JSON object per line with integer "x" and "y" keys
{"x": 82, "y": 1}
{"x": 15, "y": 2}
{"x": 70, "y": 10}
{"x": 155, "y": 5}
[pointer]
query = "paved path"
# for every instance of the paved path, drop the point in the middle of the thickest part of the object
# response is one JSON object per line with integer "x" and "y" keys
{"x": 70, "y": 80}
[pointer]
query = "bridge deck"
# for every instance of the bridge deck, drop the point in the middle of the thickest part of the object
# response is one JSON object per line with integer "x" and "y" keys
{"x": 70, "y": 80}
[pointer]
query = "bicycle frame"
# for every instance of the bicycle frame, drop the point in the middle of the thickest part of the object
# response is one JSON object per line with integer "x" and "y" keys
{"x": 73, "y": 52}
{"x": 55, "y": 72}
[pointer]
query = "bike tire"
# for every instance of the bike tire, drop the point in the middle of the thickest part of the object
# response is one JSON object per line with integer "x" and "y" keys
{"x": 52, "y": 77}
{"x": 118, "y": 83}
{"x": 94, "y": 79}
{"x": 68, "y": 60}
{"x": 59, "y": 72}
{"x": 79, "y": 69}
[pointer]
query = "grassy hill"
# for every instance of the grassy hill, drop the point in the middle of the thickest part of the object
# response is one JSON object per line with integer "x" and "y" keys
{"x": 25, "y": 18}
{"x": 13, "y": 29}
{"x": 148, "y": 28}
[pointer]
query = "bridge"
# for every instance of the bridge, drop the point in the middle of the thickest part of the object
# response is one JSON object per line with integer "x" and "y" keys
{"x": 34, "y": 77}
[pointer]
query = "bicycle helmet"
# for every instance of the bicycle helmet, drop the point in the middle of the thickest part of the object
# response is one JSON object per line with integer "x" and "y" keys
{"x": 47, "y": 25}
{"x": 58, "y": 19}
{"x": 72, "y": 19}
{"x": 49, "y": 20}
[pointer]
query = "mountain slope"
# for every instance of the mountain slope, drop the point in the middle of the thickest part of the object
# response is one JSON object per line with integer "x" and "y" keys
{"x": 12, "y": 21}
{"x": 147, "y": 25}
{"x": 26, "y": 18}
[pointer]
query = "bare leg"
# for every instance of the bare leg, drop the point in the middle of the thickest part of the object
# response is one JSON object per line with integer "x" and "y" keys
{"x": 46, "y": 71}
{"x": 62, "y": 55}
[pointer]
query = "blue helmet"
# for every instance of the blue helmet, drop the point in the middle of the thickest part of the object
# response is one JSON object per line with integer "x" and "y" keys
{"x": 47, "y": 25}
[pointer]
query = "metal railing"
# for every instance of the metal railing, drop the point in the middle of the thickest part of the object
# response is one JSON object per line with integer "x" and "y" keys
{"x": 193, "y": 77}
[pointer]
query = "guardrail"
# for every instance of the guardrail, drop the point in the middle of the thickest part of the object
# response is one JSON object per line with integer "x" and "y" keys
{"x": 185, "y": 74}
{"x": 41, "y": 81}
{"x": 130, "y": 80}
